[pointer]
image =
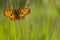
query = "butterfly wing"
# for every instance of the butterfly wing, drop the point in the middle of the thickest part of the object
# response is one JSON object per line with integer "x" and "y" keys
{"x": 23, "y": 12}
{"x": 21, "y": 16}
{"x": 10, "y": 14}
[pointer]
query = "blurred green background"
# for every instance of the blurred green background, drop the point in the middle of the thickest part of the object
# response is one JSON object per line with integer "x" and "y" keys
{"x": 43, "y": 22}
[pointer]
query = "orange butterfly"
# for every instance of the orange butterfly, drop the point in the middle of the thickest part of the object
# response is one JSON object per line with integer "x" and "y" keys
{"x": 17, "y": 13}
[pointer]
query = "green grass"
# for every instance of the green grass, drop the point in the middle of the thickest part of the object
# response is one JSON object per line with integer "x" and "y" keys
{"x": 43, "y": 22}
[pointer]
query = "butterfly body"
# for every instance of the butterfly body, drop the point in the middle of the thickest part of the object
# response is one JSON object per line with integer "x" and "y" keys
{"x": 17, "y": 13}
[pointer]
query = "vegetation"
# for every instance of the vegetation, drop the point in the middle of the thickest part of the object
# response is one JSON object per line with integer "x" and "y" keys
{"x": 43, "y": 22}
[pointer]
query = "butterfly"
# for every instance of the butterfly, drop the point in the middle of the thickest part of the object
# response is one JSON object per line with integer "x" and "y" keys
{"x": 17, "y": 13}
